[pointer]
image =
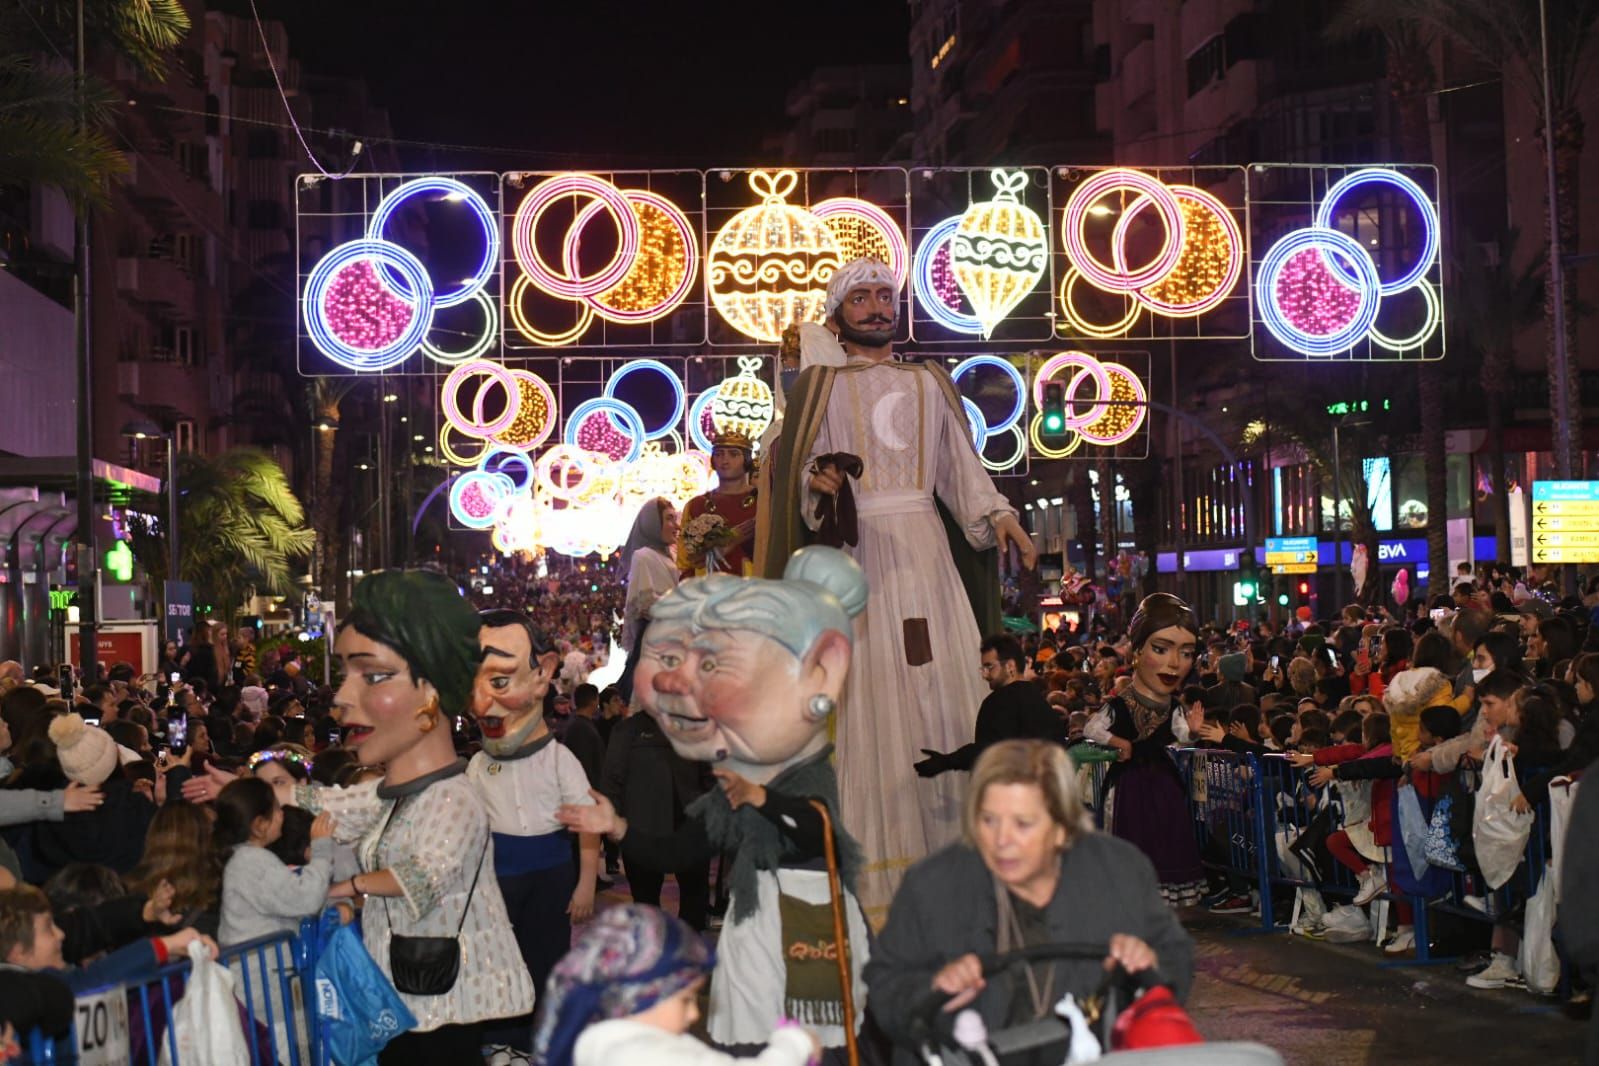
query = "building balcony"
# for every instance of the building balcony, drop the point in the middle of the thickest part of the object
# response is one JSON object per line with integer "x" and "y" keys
{"x": 154, "y": 281}
{"x": 1138, "y": 70}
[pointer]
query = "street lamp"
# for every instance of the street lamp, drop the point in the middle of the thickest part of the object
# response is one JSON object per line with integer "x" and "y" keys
{"x": 144, "y": 429}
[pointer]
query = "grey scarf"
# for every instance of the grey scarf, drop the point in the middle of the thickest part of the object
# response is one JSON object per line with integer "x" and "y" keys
{"x": 758, "y": 845}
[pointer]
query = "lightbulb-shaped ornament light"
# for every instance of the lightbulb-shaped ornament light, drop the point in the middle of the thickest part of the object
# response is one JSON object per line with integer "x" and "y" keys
{"x": 744, "y": 405}
{"x": 770, "y": 264}
{"x": 999, "y": 251}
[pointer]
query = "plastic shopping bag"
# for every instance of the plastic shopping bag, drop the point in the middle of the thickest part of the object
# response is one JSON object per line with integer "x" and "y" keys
{"x": 1499, "y": 833}
{"x": 357, "y": 1005}
{"x": 1413, "y": 827}
{"x": 205, "y": 1022}
{"x": 1539, "y": 963}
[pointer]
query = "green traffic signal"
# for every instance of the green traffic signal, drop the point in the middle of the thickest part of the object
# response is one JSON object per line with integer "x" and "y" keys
{"x": 1282, "y": 599}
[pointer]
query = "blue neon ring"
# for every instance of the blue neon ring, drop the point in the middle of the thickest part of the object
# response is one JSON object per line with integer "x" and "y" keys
{"x": 1015, "y": 376}
{"x": 472, "y": 477}
{"x": 677, "y": 387}
{"x": 696, "y": 415}
{"x": 1418, "y": 196}
{"x": 613, "y": 408}
{"x": 321, "y": 331}
{"x": 491, "y": 233}
{"x": 515, "y": 454}
{"x": 922, "y": 280}
{"x": 978, "y": 423}
{"x": 1324, "y": 240}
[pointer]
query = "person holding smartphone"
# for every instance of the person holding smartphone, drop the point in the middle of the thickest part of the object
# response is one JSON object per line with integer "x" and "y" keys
{"x": 1379, "y": 659}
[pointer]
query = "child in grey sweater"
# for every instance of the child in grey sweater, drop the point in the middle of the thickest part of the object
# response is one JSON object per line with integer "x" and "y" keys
{"x": 261, "y": 895}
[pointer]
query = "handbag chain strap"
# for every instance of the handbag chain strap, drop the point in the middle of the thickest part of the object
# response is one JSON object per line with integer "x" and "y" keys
{"x": 377, "y": 849}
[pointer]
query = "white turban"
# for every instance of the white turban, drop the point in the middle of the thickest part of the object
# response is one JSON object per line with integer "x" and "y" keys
{"x": 855, "y": 274}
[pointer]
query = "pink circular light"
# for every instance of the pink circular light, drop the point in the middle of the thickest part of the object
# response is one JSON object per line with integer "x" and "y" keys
{"x": 361, "y": 311}
{"x": 450, "y": 398}
{"x": 864, "y": 211}
{"x": 1086, "y": 364}
{"x": 1314, "y": 299}
{"x": 945, "y": 285}
{"x": 1076, "y": 241}
{"x": 679, "y": 221}
{"x": 525, "y": 225}
{"x": 1235, "y": 263}
{"x": 597, "y": 433}
{"x": 1118, "y": 371}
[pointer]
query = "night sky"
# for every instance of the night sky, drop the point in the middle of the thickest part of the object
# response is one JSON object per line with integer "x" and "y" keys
{"x": 660, "y": 83}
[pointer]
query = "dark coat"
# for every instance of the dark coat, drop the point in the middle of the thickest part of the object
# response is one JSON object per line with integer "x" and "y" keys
{"x": 946, "y": 908}
{"x": 1579, "y": 880}
{"x": 111, "y": 834}
{"x": 649, "y": 783}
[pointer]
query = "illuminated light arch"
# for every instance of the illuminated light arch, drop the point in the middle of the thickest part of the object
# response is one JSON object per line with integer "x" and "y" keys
{"x": 484, "y": 342}
{"x": 524, "y": 227}
{"x": 848, "y": 216}
{"x": 1212, "y": 254}
{"x": 457, "y": 192}
{"x": 1074, "y": 231}
{"x": 679, "y": 398}
{"x": 605, "y": 406}
{"x": 661, "y": 273}
{"x": 999, "y": 251}
{"x": 1121, "y": 422}
{"x": 323, "y": 330}
{"x": 1296, "y": 335}
{"x": 450, "y": 400}
{"x": 1418, "y": 198}
{"x": 1018, "y": 408}
{"x": 519, "y": 287}
{"x": 769, "y": 264}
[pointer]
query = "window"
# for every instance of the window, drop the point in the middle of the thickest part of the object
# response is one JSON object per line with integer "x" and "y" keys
{"x": 1207, "y": 64}
{"x": 187, "y": 345}
{"x": 183, "y": 433}
{"x": 264, "y": 214}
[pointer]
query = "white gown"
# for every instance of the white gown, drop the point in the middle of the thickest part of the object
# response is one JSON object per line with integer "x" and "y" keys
{"x": 913, "y": 446}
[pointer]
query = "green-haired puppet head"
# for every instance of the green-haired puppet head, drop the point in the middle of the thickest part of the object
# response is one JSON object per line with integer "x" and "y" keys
{"x": 421, "y": 615}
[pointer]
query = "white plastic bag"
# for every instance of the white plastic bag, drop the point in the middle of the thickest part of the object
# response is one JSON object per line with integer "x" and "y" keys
{"x": 1539, "y": 963}
{"x": 1499, "y": 833}
{"x": 205, "y": 1022}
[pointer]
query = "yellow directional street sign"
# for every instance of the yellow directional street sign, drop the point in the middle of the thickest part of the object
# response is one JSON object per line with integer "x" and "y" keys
{"x": 1565, "y": 521}
{"x": 1292, "y": 555}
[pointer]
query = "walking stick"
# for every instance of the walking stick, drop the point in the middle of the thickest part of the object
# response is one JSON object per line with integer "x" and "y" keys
{"x": 835, "y": 890}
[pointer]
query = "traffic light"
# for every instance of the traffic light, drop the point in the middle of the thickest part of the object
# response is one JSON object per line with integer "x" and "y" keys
{"x": 1248, "y": 576}
{"x": 1282, "y": 599}
{"x": 1304, "y": 589}
{"x": 1052, "y": 425}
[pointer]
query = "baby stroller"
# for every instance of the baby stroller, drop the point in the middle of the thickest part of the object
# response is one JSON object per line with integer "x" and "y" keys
{"x": 1050, "y": 1040}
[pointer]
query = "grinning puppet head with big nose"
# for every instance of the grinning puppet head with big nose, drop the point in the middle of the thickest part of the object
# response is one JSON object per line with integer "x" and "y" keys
{"x": 744, "y": 673}
{"x": 508, "y": 694}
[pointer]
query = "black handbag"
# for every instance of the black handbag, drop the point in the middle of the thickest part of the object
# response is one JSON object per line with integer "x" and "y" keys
{"x": 427, "y": 965}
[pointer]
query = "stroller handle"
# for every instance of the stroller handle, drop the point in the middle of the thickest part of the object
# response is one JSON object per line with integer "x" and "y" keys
{"x": 928, "y": 1008}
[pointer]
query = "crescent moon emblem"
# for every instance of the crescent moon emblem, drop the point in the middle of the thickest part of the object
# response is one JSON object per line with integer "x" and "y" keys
{"x": 883, "y": 421}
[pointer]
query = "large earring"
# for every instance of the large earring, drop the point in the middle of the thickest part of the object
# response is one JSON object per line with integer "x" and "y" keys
{"x": 428, "y": 717}
{"x": 819, "y": 707}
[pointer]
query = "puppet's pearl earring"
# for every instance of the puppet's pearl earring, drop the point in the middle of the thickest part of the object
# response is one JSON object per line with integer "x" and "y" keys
{"x": 820, "y": 707}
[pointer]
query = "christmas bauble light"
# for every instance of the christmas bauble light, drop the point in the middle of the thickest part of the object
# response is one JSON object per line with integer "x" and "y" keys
{"x": 999, "y": 251}
{"x": 743, "y": 405}
{"x": 768, "y": 266}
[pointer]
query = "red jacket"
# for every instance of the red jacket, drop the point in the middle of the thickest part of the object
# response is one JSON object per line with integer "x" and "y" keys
{"x": 1382, "y": 787}
{"x": 1375, "y": 684}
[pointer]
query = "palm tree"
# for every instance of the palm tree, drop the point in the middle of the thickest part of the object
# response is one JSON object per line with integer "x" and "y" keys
{"x": 41, "y": 138}
{"x": 1507, "y": 35}
{"x": 1493, "y": 301}
{"x": 239, "y": 525}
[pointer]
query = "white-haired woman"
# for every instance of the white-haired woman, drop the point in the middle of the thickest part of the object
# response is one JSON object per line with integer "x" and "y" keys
{"x": 1031, "y": 870}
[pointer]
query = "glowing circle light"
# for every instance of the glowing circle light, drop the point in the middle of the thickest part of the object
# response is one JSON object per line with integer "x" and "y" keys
{"x": 864, "y": 230}
{"x": 524, "y": 228}
{"x": 1418, "y": 199}
{"x": 1434, "y": 317}
{"x": 1018, "y": 408}
{"x": 701, "y": 422}
{"x": 660, "y": 274}
{"x": 450, "y": 400}
{"x": 362, "y": 315}
{"x": 679, "y": 398}
{"x": 1075, "y": 231}
{"x": 1049, "y": 451}
{"x": 535, "y": 413}
{"x": 1305, "y": 326}
{"x": 519, "y": 287}
{"x": 484, "y": 341}
{"x": 925, "y": 280}
{"x": 477, "y": 496}
{"x": 632, "y": 425}
{"x": 1083, "y": 362}
{"x": 1209, "y": 263}
{"x": 1123, "y": 418}
{"x": 454, "y": 191}
{"x": 1018, "y": 453}
{"x": 493, "y": 462}
{"x": 1074, "y": 316}
{"x": 976, "y": 423}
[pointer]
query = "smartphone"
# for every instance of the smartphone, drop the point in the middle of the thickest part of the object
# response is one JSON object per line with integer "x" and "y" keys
{"x": 1438, "y": 614}
{"x": 172, "y": 678}
{"x": 178, "y": 734}
{"x": 1332, "y": 656}
{"x": 66, "y": 682}
{"x": 1275, "y": 660}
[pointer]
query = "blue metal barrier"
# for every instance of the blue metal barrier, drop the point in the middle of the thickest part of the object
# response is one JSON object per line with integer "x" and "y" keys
{"x": 1224, "y": 798}
{"x": 271, "y": 980}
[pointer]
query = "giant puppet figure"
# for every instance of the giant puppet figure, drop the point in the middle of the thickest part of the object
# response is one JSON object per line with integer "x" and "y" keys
{"x": 876, "y": 456}
{"x": 745, "y": 674}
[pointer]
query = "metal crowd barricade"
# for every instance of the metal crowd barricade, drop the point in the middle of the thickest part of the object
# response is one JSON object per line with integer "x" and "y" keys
{"x": 132, "y": 1024}
{"x": 1224, "y": 798}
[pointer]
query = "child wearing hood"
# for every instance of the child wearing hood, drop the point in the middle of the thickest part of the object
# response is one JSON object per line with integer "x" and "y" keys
{"x": 628, "y": 992}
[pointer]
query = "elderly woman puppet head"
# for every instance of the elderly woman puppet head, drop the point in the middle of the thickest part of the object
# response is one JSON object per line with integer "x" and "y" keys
{"x": 745, "y": 673}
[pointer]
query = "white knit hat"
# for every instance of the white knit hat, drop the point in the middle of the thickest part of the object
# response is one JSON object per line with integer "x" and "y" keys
{"x": 86, "y": 752}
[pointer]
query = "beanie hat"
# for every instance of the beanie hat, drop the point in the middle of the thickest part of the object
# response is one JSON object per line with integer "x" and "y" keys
{"x": 624, "y": 962}
{"x": 1412, "y": 690}
{"x": 1231, "y": 667}
{"x": 86, "y": 752}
